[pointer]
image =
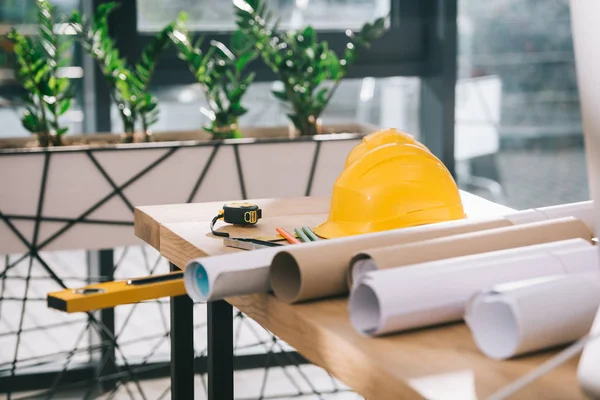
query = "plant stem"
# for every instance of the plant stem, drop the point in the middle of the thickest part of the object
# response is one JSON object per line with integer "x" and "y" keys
{"x": 128, "y": 127}
{"x": 56, "y": 140}
{"x": 145, "y": 129}
{"x": 44, "y": 137}
{"x": 228, "y": 130}
{"x": 297, "y": 107}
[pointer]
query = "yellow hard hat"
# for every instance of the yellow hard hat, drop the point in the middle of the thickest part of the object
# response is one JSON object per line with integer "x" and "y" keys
{"x": 392, "y": 186}
{"x": 378, "y": 138}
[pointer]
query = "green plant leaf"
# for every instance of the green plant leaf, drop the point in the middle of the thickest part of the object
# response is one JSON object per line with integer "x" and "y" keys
{"x": 48, "y": 39}
{"x": 41, "y": 73}
{"x": 64, "y": 105}
{"x": 281, "y": 95}
{"x": 296, "y": 121}
{"x": 310, "y": 36}
{"x": 237, "y": 110}
{"x": 61, "y": 131}
{"x": 128, "y": 84}
{"x": 239, "y": 42}
{"x": 222, "y": 50}
{"x": 242, "y": 61}
{"x": 334, "y": 67}
{"x": 322, "y": 97}
{"x": 31, "y": 122}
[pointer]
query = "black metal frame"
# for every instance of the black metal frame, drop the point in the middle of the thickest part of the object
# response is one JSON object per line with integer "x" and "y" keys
{"x": 220, "y": 351}
{"x": 83, "y": 375}
{"x": 101, "y": 263}
{"x": 438, "y": 81}
{"x": 182, "y": 345}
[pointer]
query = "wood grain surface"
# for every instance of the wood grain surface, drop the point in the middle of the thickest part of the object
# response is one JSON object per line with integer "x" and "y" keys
{"x": 148, "y": 219}
{"x": 439, "y": 363}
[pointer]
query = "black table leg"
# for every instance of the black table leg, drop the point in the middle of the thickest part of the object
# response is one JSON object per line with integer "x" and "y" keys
{"x": 101, "y": 264}
{"x": 182, "y": 346}
{"x": 220, "y": 350}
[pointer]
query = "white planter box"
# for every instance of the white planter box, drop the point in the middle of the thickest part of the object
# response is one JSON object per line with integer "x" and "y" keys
{"x": 83, "y": 196}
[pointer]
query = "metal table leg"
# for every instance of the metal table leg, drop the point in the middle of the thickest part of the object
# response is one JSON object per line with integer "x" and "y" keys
{"x": 220, "y": 350}
{"x": 101, "y": 264}
{"x": 182, "y": 346}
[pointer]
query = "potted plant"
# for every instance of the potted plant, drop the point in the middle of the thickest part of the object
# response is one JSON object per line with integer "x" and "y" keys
{"x": 220, "y": 72}
{"x": 128, "y": 85}
{"x": 48, "y": 96}
{"x": 302, "y": 62}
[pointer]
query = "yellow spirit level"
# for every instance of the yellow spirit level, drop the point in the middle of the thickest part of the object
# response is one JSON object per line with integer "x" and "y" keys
{"x": 111, "y": 294}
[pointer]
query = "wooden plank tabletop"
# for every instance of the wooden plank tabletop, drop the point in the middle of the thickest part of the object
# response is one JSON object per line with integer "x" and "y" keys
{"x": 435, "y": 363}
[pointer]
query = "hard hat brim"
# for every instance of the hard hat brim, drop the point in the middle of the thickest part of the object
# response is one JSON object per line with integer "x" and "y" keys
{"x": 337, "y": 229}
{"x": 332, "y": 230}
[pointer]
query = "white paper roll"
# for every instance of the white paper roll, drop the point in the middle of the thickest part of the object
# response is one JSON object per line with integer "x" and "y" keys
{"x": 588, "y": 371}
{"x": 436, "y": 292}
{"x": 227, "y": 275}
{"x": 583, "y": 211}
{"x": 526, "y": 316}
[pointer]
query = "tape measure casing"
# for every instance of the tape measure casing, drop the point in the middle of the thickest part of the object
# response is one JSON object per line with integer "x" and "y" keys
{"x": 241, "y": 213}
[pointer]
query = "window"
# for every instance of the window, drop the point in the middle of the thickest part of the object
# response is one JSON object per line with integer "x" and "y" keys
{"x": 518, "y": 117}
{"x": 217, "y": 15}
{"x": 385, "y": 102}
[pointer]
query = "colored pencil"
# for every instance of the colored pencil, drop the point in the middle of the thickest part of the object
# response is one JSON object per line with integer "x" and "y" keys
{"x": 288, "y": 236}
{"x": 311, "y": 235}
{"x": 302, "y": 235}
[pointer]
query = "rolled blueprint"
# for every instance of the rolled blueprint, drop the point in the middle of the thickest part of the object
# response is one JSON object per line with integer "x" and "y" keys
{"x": 227, "y": 275}
{"x": 469, "y": 243}
{"x": 305, "y": 272}
{"x": 437, "y": 292}
{"x": 527, "y": 316}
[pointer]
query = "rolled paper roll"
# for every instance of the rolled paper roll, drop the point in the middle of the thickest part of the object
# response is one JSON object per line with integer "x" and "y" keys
{"x": 320, "y": 269}
{"x": 469, "y": 243}
{"x": 528, "y": 316}
{"x": 421, "y": 295}
{"x": 588, "y": 373}
{"x": 227, "y": 275}
{"x": 583, "y": 211}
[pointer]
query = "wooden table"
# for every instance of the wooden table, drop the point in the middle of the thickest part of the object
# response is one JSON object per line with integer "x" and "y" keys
{"x": 441, "y": 362}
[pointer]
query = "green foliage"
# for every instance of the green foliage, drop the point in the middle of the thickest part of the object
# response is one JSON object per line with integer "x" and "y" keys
{"x": 48, "y": 95}
{"x": 220, "y": 71}
{"x": 302, "y": 62}
{"x": 128, "y": 85}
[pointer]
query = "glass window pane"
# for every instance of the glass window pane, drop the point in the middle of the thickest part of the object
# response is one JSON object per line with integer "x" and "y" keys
{"x": 218, "y": 15}
{"x": 518, "y": 128}
{"x": 390, "y": 102}
{"x": 21, "y": 14}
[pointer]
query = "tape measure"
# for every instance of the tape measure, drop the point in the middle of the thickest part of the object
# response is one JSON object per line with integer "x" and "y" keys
{"x": 237, "y": 214}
